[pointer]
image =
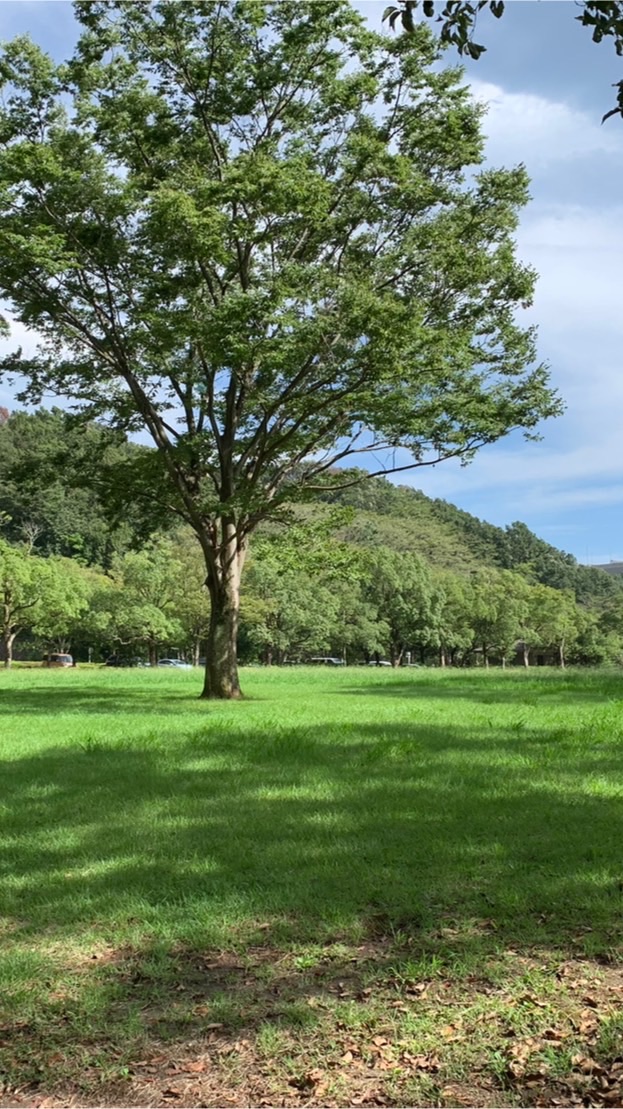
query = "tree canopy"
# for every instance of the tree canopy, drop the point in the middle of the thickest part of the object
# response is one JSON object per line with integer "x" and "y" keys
{"x": 257, "y": 231}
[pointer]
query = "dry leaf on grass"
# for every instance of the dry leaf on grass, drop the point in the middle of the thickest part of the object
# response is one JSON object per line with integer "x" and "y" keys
{"x": 312, "y": 1080}
{"x": 451, "y": 1032}
{"x": 588, "y": 1023}
{"x": 430, "y": 1062}
{"x": 586, "y": 1065}
{"x": 417, "y": 989}
{"x": 195, "y": 1068}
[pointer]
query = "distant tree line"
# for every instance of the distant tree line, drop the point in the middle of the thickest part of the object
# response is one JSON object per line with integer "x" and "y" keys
{"x": 83, "y": 568}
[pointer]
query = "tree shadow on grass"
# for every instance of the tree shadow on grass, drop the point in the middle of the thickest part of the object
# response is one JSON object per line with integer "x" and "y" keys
{"x": 45, "y": 700}
{"x": 496, "y": 686}
{"x": 403, "y": 842}
{"x": 321, "y": 829}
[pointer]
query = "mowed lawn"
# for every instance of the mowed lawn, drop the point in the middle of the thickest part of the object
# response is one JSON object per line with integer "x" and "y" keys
{"x": 354, "y": 887}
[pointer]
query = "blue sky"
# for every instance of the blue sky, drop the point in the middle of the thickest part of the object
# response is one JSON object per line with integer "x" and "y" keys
{"x": 547, "y": 86}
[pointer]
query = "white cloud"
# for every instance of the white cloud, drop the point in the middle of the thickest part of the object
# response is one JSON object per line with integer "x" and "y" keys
{"x": 524, "y": 127}
{"x": 577, "y": 253}
{"x": 20, "y": 336}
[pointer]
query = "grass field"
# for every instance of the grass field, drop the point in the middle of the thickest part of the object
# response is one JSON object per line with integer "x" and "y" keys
{"x": 352, "y": 888}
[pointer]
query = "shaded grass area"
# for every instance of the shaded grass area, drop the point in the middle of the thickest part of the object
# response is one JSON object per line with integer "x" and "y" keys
{"x": 262, "y": 890}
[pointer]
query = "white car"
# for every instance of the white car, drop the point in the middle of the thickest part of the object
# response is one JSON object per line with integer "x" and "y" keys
{"x": 175, "y": 662}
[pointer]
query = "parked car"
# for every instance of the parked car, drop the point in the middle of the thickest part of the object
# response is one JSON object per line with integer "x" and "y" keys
{"x": 56, "y": 659}
{"x": 381, "y": 662}
{"x": 327, "y": 661}
{"x": 175, "y": 662}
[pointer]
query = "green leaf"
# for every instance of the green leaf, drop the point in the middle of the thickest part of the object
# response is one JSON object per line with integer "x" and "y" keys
{"x": 474, "y": 50}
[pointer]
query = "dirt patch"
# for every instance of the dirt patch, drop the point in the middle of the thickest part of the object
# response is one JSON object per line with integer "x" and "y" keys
{"x": 336, "y": 1027}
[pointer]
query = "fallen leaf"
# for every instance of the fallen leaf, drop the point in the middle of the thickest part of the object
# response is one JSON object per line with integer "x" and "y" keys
{"x": 421, "y": 1062}
{"x": 555, "y": 1035}
{"x": 585, "y": 1064}
{"x": 534, "y": 1000}
{"x": 195, "y": 1068}
{"x": 418, "y": 989}
{"x": 452, "y": 1031}
{"x": 588, "y": 1022}
{"x": 312, "y": 1079}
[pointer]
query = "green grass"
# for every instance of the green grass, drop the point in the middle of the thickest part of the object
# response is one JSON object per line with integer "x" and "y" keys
{"x": 290, "y": 867}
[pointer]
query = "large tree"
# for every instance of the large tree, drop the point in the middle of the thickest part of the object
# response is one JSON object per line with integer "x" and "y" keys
{"x": 256, "y": 231}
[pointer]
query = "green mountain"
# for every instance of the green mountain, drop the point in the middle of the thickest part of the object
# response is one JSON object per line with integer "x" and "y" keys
{"x": 403, "y": 518}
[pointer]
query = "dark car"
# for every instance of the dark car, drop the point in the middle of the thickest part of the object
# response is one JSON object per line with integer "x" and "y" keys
{"x": 124, "y": 660}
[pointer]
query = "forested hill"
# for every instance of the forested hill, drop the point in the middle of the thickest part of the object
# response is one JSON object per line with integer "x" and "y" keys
{"x": 46, "y": 501}
{"x": 403, "y": 518}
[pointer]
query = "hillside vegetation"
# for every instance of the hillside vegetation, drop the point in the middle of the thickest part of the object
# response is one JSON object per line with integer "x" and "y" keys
{"x": 368, "y": 571}
{"x": 404, "y": 518}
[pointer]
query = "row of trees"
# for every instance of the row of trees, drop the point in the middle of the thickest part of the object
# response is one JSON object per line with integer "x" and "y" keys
{"x": 395, "y": 605}
{"x": 302, "y": 596}
{"x": 147, "y": 599}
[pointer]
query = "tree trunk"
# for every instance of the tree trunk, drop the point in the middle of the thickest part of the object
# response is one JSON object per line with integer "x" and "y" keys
{"x": 442, "y": 657}
{"x": 526, "y": 655}
{"x": 153, "y": 655}
{"x": 561, "y": 654}
{"x": 485, "y": 656}
{"x": 196, "y": 651}
{"x": 224, "y": 571}
{"x": 8, "y": 639}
